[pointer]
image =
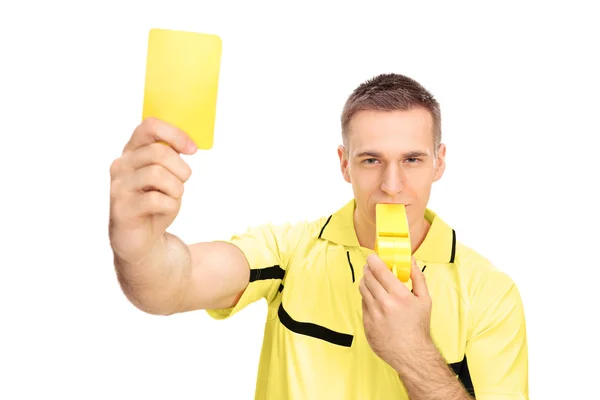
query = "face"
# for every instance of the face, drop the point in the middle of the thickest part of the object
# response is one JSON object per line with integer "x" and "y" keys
{"x": 390, "y": 159}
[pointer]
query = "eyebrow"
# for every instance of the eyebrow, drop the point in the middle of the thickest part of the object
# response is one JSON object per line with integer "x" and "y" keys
{"x": 375, "y": 154}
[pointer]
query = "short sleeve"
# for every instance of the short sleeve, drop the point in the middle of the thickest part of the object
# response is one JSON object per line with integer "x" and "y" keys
{"x": 496, "y": 351}
{"x": 267, "y": 251}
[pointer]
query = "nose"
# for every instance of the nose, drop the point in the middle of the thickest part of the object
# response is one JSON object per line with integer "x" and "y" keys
{"x": 393, "y": 180}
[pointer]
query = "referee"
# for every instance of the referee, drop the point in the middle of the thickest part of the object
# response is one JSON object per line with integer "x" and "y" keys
{"x": 340, "y": 325}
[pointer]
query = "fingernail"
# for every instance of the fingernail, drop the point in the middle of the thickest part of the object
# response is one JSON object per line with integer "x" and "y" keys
{"x": 192, "y": 146}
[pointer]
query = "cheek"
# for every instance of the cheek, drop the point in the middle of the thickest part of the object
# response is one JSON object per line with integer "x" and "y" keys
{"x": 421, "y": 190}
{"x": 365, "y": 180}
{"x": 419, "y": 183}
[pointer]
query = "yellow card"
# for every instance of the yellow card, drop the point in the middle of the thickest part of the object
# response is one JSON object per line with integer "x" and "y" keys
{"x": 182, "y": 79}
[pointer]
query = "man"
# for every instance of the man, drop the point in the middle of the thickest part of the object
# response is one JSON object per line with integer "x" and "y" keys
{"x": 334, "y": 330}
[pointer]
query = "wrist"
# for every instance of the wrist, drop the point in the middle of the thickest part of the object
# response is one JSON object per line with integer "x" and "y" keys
{"x": 422, "y": 353}
{"x": 425, "y": 374}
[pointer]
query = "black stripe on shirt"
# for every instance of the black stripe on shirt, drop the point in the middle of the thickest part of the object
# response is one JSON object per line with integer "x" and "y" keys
{"x": 453, "y": 253}
{"x": 323, "y": 228}
{"x": 461, "y": 369}
{"x": 423, "y": 270}
{"x": 314, "y": 330}
{"x": 261, "y": 274}
{"x": 351, "y": 267}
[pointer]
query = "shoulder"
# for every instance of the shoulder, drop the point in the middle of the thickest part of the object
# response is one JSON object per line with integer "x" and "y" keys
{"x": 472, "y": 265}
{"x": 494, "y": 302}
{"x": 287, "y": 230}
{"x": 286, "y": 237}
{"x": 489, "y": 291}
{"x": 483, "y": 282}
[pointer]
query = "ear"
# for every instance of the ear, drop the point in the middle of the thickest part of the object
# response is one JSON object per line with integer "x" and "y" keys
{"x": 343, "y": 163}
{"x": 440, "y": 162}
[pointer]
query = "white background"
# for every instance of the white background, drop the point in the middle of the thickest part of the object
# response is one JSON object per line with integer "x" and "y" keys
{"x": 518, "y": 85}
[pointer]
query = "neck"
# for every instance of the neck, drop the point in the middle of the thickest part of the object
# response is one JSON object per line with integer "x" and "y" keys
{"x": 365, "y": 232}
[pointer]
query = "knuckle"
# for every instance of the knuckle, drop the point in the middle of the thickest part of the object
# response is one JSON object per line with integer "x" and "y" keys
{"x": 161, "y": 154}
{"x": 150, "y": 123}
{"x": 153, "y": 199}
{"x": 115, "y": 167}
{"x": 176, "y": 189}
{"x": 150, "y": 126}
{"x": 403, "y": 297}
{"x": 172, "y": 205}
{"x": 156, "y": 172}
{"x": 180, "y": 190}
{"x": 387, "y": 306}
{"x": 167, "y": 204}
{"x": 428, "y": 302}
{"x": 187, "y": 171}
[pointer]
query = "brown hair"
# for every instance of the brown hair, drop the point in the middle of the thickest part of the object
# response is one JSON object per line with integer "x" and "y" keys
{"x": 391, "y": 92}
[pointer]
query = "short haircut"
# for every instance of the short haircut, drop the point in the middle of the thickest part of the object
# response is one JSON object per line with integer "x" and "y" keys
{"x": 391, "y": 92}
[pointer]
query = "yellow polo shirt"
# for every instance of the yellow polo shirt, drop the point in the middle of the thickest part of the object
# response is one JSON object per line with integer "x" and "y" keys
{"x": 315, "y": 346}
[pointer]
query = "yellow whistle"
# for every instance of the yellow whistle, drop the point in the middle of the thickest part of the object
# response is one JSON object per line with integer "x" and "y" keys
{"x": 392, "y": 243}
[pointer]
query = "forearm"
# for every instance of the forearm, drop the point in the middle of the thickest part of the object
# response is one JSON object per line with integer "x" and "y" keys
{"x": 426, "y": 376}
{"x": 154, "y": 284}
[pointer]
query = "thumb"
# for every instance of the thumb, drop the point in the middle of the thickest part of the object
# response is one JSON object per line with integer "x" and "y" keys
{"x": 418, "y": 280}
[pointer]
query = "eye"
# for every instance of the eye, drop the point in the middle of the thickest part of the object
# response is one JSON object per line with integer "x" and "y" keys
{"x": 370, "y": 160}
{"x": 412, "y": 160}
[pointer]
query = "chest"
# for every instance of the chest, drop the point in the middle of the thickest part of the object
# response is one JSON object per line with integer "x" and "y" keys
{"x": 321, "y": 298}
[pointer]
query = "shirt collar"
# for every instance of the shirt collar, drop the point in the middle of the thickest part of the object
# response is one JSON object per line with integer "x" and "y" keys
{"x": 439, "y": 245}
